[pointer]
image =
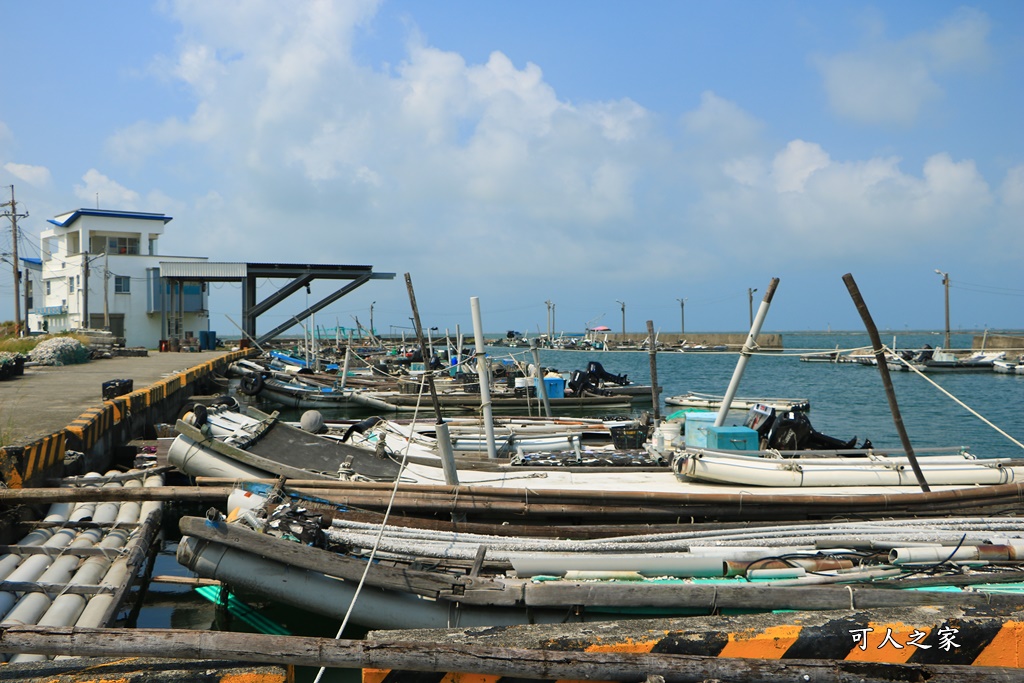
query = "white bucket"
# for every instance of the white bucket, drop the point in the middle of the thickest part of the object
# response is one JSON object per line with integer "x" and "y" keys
{"x": 522, "y": 382}
{"x": 671, "y": 433}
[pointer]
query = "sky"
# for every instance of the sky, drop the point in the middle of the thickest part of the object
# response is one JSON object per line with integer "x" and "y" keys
{"x": 601, "y": 160}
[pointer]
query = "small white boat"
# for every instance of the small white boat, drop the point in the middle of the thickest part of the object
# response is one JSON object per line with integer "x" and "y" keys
{"x": 839, "y": 468}
{"x": 1010, "y": 367}
{"x": 693, "y": 399}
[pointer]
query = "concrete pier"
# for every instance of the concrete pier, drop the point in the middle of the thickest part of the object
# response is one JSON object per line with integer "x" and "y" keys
{"x": 51, "y": 409}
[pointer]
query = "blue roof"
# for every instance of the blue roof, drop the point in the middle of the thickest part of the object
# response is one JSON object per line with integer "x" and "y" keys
{"x": 77, "y": 213}
{"x": 34, "y": 261}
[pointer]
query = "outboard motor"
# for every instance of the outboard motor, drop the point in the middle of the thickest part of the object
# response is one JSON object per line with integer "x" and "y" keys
{"x": 792, "y": 431}
{"x": 578, "y": 382}
{"x": 598, "y": 373}
{"x": 760, "y": 418}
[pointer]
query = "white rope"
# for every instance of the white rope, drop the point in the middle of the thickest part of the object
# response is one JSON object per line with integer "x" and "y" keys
{"x": 961, "y": 403}
{"x": 373, "y": 553}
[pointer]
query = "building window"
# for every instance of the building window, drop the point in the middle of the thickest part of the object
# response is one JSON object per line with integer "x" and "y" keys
{"x": 48, "y": 288}
{"x": 71, "y": 285}
{"x": 122, "y": 284}
{"x": 122, "y": 245}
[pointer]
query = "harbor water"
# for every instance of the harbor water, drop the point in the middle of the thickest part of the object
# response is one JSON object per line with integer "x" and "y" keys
{"x": 847, "y": 400}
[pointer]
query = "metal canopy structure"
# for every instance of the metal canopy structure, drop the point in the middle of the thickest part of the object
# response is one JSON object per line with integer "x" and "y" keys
{"x": 300, "y": 275}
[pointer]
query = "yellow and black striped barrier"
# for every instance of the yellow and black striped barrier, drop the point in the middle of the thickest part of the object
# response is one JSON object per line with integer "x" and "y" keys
{"x": 23, "y": 464}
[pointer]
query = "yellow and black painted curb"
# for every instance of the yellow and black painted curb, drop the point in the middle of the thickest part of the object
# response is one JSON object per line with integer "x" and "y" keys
{"x": 915, "y": 636}
{"x": 22, "y": 465}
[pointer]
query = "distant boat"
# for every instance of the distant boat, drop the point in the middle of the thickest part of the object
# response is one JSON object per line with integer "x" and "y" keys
{"x": 835, "y": 356}
{"x": 941, "y": 360}
{"x": 693, "y": 399}
{"x": 1012, "y": 367}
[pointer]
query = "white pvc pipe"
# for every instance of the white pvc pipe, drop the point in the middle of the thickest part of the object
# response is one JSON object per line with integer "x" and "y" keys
{"x": 748, "y": 348}
{"x": 485, "y": 377}
{"x": 953, "y": 554}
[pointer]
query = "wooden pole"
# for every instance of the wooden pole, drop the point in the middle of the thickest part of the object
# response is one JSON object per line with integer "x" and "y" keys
{"x": 475, "y": 659}
{"x": 444, "y": 442}
{"x": 883, "y": 369}
{"x": 653, "y": 354}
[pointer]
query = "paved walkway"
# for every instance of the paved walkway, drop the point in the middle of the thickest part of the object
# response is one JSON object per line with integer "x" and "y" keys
{"x": 47, "y": 399}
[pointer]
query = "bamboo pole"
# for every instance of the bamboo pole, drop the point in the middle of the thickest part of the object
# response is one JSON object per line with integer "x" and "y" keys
{"x": 883, "y": 369}
{"x": 474, "y": 659}
{"x": 190, "y": 494}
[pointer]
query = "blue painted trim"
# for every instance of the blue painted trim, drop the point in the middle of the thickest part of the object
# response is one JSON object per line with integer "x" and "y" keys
{"x": 109, "y": 214}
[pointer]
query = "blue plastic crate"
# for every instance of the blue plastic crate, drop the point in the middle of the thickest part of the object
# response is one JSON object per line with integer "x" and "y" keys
{"x": 732, "y": 438}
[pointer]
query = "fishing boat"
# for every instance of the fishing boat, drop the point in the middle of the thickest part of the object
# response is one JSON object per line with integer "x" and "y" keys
{"x": 653, "y": 490}
{"x": 1011, "y": 367}
{"x": 218, "y": 440}
{"x": 693, "y": 399}
{"x": 941, "y": 360}
{"x": 387, "y": 576}
{"x": 871, "y": 467}
{"x": 223, "y": 441}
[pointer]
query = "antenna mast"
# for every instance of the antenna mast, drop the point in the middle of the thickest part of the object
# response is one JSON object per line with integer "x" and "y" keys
{"x": 14, "y": 216}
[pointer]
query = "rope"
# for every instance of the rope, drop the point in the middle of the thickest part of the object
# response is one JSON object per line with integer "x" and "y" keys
{"x": 369, "y": 560}
{"x": 958, "y": 401}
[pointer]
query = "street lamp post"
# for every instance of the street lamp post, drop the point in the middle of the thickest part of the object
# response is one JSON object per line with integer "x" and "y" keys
{"x": 682, "y": 317}
{"x": 623, "y": 305}
{"x": 372, "y": 333}
{"x": 945, "y": 282}
{"x": 750, "y": 304}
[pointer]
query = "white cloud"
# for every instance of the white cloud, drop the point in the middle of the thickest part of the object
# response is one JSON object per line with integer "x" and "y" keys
{"x": 99, "y": 190}
{"x": 39, "y": 176}
{"x": 722, "y": 123}
{"x": 892, "y": 81}
{"x": 794, "y": 165}
{"x": 482, "y": 173}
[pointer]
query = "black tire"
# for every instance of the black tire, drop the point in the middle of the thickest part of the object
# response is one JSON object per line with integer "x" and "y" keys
{"x": 251, "y": 385}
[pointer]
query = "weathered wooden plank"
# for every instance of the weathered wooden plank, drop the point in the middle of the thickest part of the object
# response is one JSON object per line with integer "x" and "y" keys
{"x": 498, "y": 661}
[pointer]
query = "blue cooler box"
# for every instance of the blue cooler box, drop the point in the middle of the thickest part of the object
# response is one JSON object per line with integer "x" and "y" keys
{"x": 732, "y": 438}
{"x": 555, "y": 386}
{"x": 696, "y": 425}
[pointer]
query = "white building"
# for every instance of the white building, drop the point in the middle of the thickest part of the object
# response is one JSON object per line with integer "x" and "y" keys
{"x": 100, "y": 270}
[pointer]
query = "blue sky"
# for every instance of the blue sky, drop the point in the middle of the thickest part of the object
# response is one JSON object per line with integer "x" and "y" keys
{"x": 583, "y": 153}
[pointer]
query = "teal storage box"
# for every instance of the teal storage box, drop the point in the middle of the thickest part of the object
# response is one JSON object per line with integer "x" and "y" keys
{"x": 555, "y": 386}
{"x": 732, "y": 438}
{"x": 696, "y": 426}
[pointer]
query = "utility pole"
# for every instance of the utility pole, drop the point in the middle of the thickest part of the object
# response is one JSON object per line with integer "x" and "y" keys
{"x": 85, "y": 291}
{"x": 13, "y": 214}
{"x": 106, "y": 292}
{"x": 548, "y": 304}
{"x": 750, "y": 303}
{"x": 682, "y": 317}
{"x": 623, "y": 304}
{"x": 372, "y": 333}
